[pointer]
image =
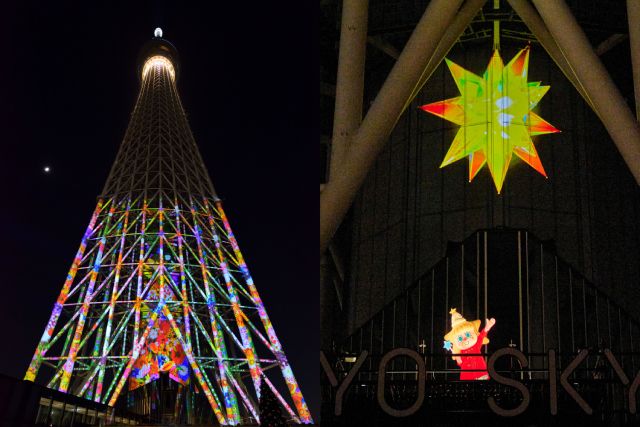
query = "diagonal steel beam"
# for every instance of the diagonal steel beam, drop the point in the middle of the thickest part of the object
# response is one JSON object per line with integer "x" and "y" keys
{"x": 611, "y": 107}
{"x": 382, "y": 116}
{"x": 611, "y": 42}
{"x": 532, "y": 20}
{"x": 462, "y": 20}
{"x": 209, "y": 391}
{"x": 71, "y": 359}
{"x": 384, "y": 46}
{"x": 57, "y": 309}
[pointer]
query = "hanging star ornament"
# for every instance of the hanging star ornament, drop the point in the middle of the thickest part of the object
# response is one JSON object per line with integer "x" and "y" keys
{"x": 495, "y": 117}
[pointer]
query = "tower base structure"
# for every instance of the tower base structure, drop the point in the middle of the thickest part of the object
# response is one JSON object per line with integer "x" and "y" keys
{"x": 159, "y": 308}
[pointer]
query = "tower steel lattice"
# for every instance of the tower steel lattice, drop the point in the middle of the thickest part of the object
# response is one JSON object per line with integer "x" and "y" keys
{"x": 159, "y": 283}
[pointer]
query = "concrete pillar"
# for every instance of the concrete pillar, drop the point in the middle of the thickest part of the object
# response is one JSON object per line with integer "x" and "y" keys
{"x": 611, "y": 107}
{"x": 350, "y": 80}
{"x": 339, "y": 192}
{"x": 533, "y": 21}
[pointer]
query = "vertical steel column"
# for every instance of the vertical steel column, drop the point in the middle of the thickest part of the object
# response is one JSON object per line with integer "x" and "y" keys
{"x": 573, "y": 337}
{"x": 633, "y": 355}
{"x": 597, "y": 319}
{"x": 610, "y": 343}
{"x": 32, "y": 371}
{"x": 520, "y": 320}
{"x": 433, "y": 290}
{"x": 477, "y": 275}
{"x": 542, "y": 298}
{"x": 446, "y": 295}
{"x": 462, "y": 277}
{"x": 526, "y": 262}
{"x": 613, "y": 111}
{"x": 558, "y": 305}
{"x": 419, "y": 323}
{"x": 584, "y": 314}
{"x": 287, "y": 373}
{"x": 486, "y": 277}
{"x": 381, "y": 334}
{"x": 620, "y": 335}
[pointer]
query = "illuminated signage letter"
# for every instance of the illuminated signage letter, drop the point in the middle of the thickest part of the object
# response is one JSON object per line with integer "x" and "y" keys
{"x": 346, "y": 382}
{"x": 569, "y": 388}
{"x": 422, "y": 376}
{"x": 508, "y": 381}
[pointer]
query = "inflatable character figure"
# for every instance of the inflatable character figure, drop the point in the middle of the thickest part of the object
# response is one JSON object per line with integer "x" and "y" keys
{"x": 465, "y": 338}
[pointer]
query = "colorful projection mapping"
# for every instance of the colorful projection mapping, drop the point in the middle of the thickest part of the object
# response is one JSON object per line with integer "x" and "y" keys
{"x": 162, "y": 351}
{"x": 465, "y": 340}
{"x": 495, "y": 117}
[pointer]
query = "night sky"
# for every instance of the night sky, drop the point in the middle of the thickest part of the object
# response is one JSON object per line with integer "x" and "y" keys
{"x": 249, "y": 85}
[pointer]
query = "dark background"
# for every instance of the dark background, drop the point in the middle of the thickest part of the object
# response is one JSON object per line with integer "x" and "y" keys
{"x": 249, "y": 85}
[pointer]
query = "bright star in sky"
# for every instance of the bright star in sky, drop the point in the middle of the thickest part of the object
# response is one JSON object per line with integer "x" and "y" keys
{"x": 495, "y": 117}
{"x": 47, "y": 169}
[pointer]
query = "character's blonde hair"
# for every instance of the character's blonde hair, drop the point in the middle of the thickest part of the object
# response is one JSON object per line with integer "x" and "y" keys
{"x": 459, "y": 327}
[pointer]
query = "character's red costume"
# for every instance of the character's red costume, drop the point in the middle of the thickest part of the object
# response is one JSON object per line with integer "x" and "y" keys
{"x": 473, "y": 367}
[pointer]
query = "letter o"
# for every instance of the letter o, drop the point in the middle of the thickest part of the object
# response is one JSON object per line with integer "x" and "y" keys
{"x": 422, "y": 377}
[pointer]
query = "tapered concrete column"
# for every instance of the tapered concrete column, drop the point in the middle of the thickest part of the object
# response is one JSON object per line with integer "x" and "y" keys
{"x": 383, "y": 115}
{"x": 350, "y": 79}
{"x": 611, "y": 107}
{"x": 533, "y": 21}
{"x": 633, "y": 15}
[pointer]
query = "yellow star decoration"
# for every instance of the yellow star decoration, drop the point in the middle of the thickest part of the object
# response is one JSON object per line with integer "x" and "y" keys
{"x": 495, "y": 117}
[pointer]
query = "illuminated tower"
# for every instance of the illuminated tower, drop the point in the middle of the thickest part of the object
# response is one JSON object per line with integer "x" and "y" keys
{"x": 159, "y": 285}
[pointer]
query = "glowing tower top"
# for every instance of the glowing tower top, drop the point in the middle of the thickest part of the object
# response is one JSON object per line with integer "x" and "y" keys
{"x": 158, "y": 152}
